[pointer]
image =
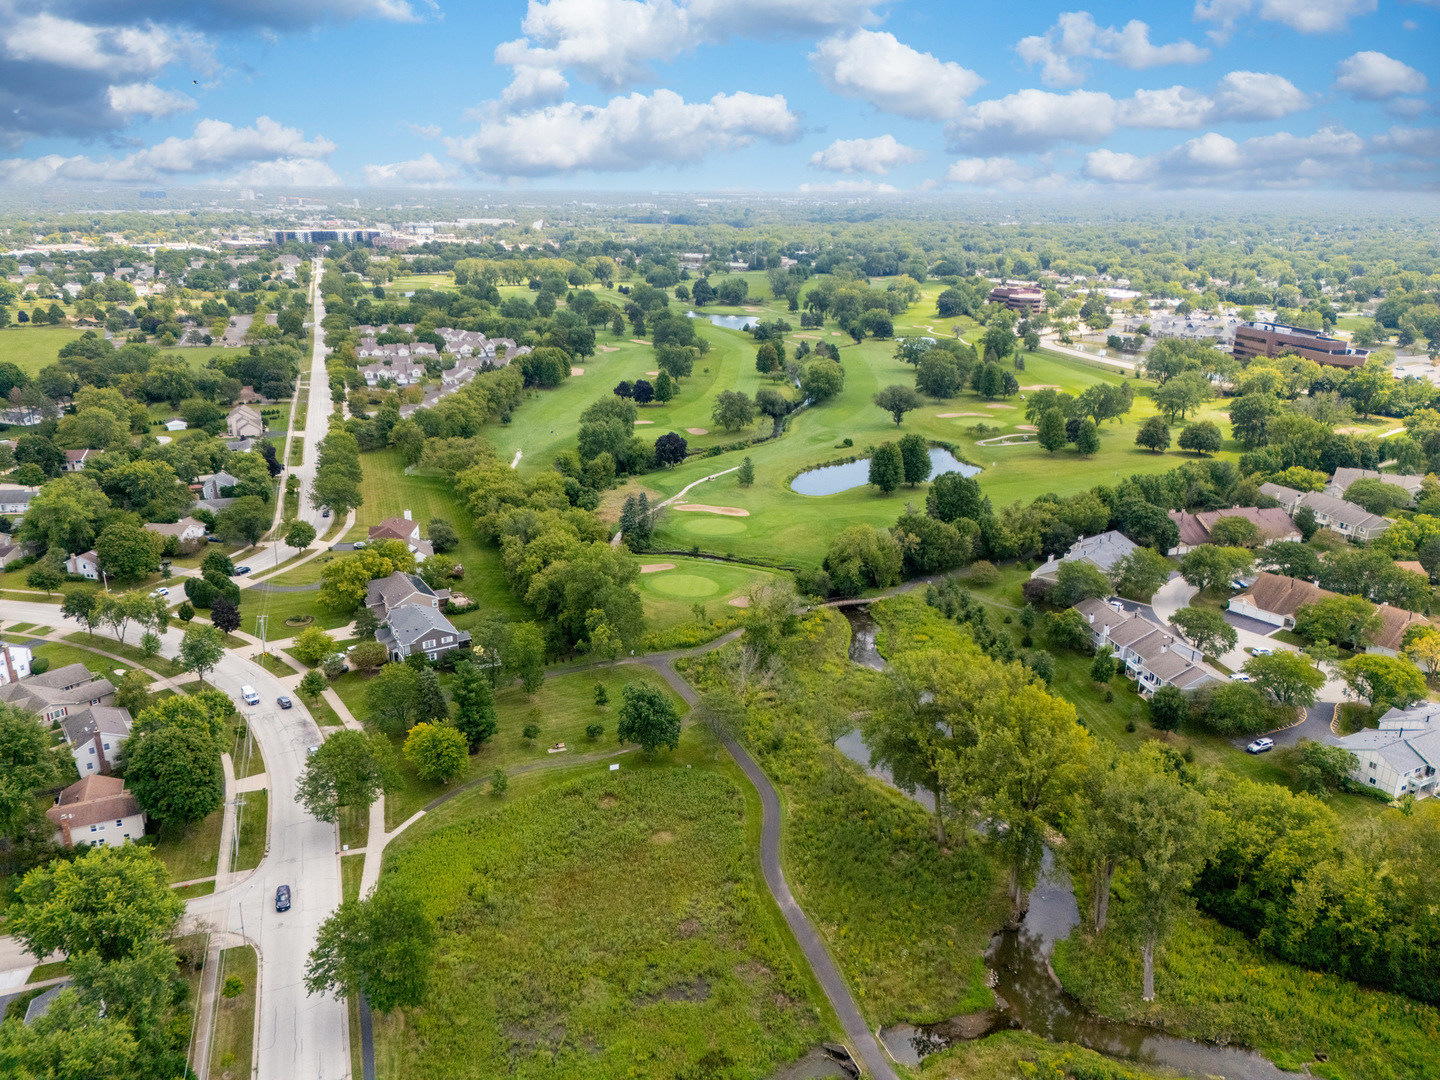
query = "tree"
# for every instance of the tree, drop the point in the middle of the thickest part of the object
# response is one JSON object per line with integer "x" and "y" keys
{"x": 1087, "y": 439}
{"x": 670, "y": 449}
{"x": 443, "y": 536}
{"x": 1141, "y": 572}
{"x": 300, "y": 534}
{"x": 312, "y": 645}
{"x": 1051, "y": 433}
{"x": 244, "y": 521}
{"x": 438, "y": 752}
{"x": 201, "y": 649}
{"x": 1201, "y": 436}
{"x": 1376, "y": 496}
{"x": 474, "y": 705}
{"x": 1211, "y": 567}
{"x": 382, "y": 946}
{"x": 175, "y": 773}
{"x": 1319, "y": 767}
{"x": 27, "y": 764}
{"x": 47, "y": 577}
{"x": 1384, "y": 680}
{"x": 1078, "y": 580}
{"x": 1291, "y": 559}
{"x": 1235, "y": 532}
{"x": 1183, "y": 393}
{"x": 746, "y": 473}
{"x": 1102, "y": 668}
{"x": 1154, "y": 435}
{"x": 1250, "y": 416}
{"x": 225, "y": 615}
{"x": 525, "y": 656}
{"x": 897, "y": 401}
{"x": 430, "y": 697}
{"x": 1346, "y": 620}
{"x": 368, "y": 656}
{"x": 953, "y": 496}
{"x": 312, "y": 685}
{"x": 1287, "y": 676}
{"x": 1207, "y": 630}
{"x": 915, "y": 458}
{"x": 1168, "y": 708}
{"x": 350, "y": 768}
{"x": 106, "y": 903}
{"x": 1067, "y": 629}
{"x": 733, "y": 410}
{"x": 821, "y": 380}
{"x": 647, "y": 717}
{"x": 393, "y": 696}
{"x": 887, "y": 467}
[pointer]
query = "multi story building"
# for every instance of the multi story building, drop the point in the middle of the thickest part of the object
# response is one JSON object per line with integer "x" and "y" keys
{"x": 1026, "y": 298}
{"x": 1254, "y": 339}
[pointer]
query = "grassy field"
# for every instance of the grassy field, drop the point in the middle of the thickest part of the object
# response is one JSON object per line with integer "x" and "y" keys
{"x": 352, "y": 867}
{"x": 231, "y": 1044}
{"x": 604, "y": 925}
{"x": 670, "y": 596}
{"x": 252, "y": 827}
{"x": 1018, "y": 1053}
{"x": 190, "y": 853}
{"x": 34, "y": 347}
{"x": 1212, "y": 983}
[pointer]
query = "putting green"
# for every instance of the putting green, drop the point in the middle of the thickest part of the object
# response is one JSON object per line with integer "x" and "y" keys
{"x": 686, "y": 585}
{"x": 704, "y": 525}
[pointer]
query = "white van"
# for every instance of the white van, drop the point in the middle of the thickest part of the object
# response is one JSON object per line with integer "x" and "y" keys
{"x": 249, "y": 696}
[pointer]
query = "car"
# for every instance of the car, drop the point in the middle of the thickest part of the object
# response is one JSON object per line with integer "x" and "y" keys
{"x": 241, "y": 571}
{"x": 213, "y": 539}
{"x": 162, "y": 591}
{"x": 1117, "y": 605}
{"x": 284, "y": 702}
{"x": 358, "y": 544}
{"x": 1237, "y": 584}
{"x": 311, "y": 751}
{"x": 1262, "y": 650}
{"x": 282, "y": 898}
{"x": 1260, "y": 746}
{"x": 1239, "y": 676}
{"x": 325, "y": 512}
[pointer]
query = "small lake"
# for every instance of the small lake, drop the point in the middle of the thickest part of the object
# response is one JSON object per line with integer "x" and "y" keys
{"x": 729, "y": 322}
{"x": 833, "y": 479}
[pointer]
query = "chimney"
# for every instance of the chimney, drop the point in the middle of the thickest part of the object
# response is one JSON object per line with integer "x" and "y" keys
{"x": 1091, "y": 616}
{"x": 407, "y": 515}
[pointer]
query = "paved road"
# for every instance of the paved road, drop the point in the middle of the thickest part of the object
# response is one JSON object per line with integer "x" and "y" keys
{"x": 300, "y": 1036}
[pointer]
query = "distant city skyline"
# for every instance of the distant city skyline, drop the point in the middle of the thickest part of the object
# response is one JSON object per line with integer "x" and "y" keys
{"x": 829, "y": 96}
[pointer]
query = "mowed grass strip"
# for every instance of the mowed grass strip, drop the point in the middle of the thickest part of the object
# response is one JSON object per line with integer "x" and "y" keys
{"x": 232, "y": 1043}
{"x": 595, "y": 924}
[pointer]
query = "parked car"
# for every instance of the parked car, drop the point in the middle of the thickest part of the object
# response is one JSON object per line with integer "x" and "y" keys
{"x": 1117, "y": 605}
{"x": 1262, "y": 650}
{"x": 284, "y": 702}
{"x": 311, "y": 751}
{"x": 213, "y": 539}
{"x": 325, "y": 512}
{"x": 1260, "y": 746}
{"x": 282, "y": 898}
{"x": 1239, "y": 676}
{"x": 240, "y": 571}
{"x": 162, "y": 591}
{"x": 1237, "y": 584}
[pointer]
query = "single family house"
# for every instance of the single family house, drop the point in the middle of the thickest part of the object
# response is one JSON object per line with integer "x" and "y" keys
{"x": 97, "y": 810}
{"x": 416, "y": 628}
{"x": 95, "y": 736}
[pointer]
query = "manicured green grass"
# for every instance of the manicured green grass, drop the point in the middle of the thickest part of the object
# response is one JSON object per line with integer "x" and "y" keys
{"x": 561, "y": 708}
{"x": 102, "y": 666}
{"x": 297, "y": 451}
{"x": 54, "y": 970}
{"x": 352, "y": 868}
{"x": 232, "y": 1043}
{"x": 354, "y": 826}
{"x": 324, "y": 715}
{"x": 643, "y": 937}
{"x": 274, "y": 665}
{"x": 129, "y": 651}
{"x": 252, "y": 825}
{"x": 1213, "y": 983}
{"x": 281, "y": 606}
{"x": 245, "y": 751}
{"x": 34, "y": 347}
{"x": 200, "y": 888}
{"x": 190, "y": 853}
{"x": 670, "y": 596}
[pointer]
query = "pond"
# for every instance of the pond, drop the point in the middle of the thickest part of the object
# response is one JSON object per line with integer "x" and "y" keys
{"x": 729, "y": 322}
{"x": 833, "y": 479}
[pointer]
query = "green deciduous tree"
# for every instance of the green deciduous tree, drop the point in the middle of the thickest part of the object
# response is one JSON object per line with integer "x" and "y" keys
{"x": 201, "y": 649}
{"x": 300, "y": 534}
{"x": 1289, "y": 677}
{"x": 1087, "y": 439}
{"x": 648, "y": 717}
{"x": 915, "y": 458}
{"x": 1154, "y": 435}
{"x": 1141, "y": 572}
{"x": 897, "y": 401}
{"x": 733, "y": 410}
{"x": 382, "y": 946}
{"x": 128, "y": 552}
{"x": 312, "y": 645}
{"x": 474, "y": 705}
{"x": 1212, "y": 567}
{"x": 1207, "y": 630}
{"x": 887, "y": 467}
{"x": 1051, "y": 433}
{"x": 1346, "y": 620}
{"x": 393, "y": 697}
{"x": 437, "y": 752}
{"x": 349, "y": 769}
{"x": 1202, "y": 437}
{"x": 1384, "y": 680}
{"x": 175, "y": 772}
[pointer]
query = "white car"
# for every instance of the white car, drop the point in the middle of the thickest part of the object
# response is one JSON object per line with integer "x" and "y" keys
{"x": 1262, "y": 650}
{"x": 162, "y": 591}
{"x": 1237, "y": 584}
{"x": 1117, "y": 605}
{"x": 1239, "y": 676}
{"x": 1260, "y": 746}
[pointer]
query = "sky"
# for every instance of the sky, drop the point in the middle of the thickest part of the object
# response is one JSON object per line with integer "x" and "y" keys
{"x": 813, "y": 96}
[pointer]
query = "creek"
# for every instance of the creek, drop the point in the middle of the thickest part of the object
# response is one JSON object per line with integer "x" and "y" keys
{"x": 1028, "y": 995}
{"x": 833, "y": 479}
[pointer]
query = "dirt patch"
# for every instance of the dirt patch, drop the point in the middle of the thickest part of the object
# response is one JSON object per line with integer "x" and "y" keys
{"x": 664, "y": 836}
{"x": 607, "y": 801}
{"x": 1026, "y": 427}
{"x": 751, "y": 971}
{"x": 1351, "y": 430}
{"x": 756, "y": 310}
{"x": 644, "y": 421}
{"x": 1042, "y": 386}
{"x": 698, "y": 430}
{"x": 688, "y": 929}
{"x": 948, "y": 415}
{"x": 577, "y": 371}
{"x": 740, "y": 601}
{"x": 728, "y": 511}
{"x": 656, "y": 567}
{"x": 997, "y": 405}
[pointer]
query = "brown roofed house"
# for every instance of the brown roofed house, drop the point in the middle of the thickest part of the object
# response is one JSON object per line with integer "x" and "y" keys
{"x": 1275, "y": 599}
{"x": 405, "y": 530}
{"x": 97, "y": 810}
{"x": 1394, "y": 621}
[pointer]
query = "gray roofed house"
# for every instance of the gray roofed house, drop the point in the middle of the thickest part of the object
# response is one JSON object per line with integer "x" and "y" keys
{"x": 1102, "y": 551}
{"x": 1343, "y": 478}
{"x": 210, "y": 485}
{"x": 15, "y": 500}
{"x": 54, "y": 693}
{"x": 1153, "y": 656}
{"x": 1343, "y": 517}
{"x": 1288, "y": 498}
{"x": 95, "y": 736}
{"x": 398, "y": 590}
{"x": 1401, "y": 755}
{"x": 414, "y": 628}
{"x": 40, "y": 1005}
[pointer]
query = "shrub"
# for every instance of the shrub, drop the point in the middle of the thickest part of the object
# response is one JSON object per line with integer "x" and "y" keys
{"x": 984, "y": 574}
{"x": 39, "y": 665}
{"x": 594, "y": 731}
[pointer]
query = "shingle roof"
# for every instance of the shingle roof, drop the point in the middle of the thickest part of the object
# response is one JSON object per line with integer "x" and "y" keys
{"x": 92, "y": 800}
{"x": 96, "y": 720}
{"x": 1343, "y": 478}
{"x": 409, "y": 623}
{"x": 1357, "y": 517}
{"x": 1282, "y": 595}
{"x": 1393, "y": 624}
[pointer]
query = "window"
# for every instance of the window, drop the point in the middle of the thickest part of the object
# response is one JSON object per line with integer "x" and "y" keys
{"x": 119, "y": 821}
{"x": 1372, "y": 779}
{"x": 89, "y": 764}
{"x": 93, "y": 828}
{"x": 107, "y": 746}
{"x": 92, "y": 751}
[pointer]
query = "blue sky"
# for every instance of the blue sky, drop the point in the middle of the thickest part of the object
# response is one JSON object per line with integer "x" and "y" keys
{"x": 705, "y": 95}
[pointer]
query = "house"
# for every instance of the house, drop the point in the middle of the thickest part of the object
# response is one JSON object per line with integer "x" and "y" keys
{"x": 11, "y": 552}
{"x": 1273, "y": 524}
{"x": 1153, "y": 656}
{"x": 184, "y": 530}
{"x": 400, "y": 372}
{"x": 416, "y": 628}
{"x": 95, "y": 736}
{"x": 1275, "y": 598}
{"x": 86, "y": 564}
{"x": 1349, "y": 520}
{"x": 14, "y": 663}
{"x": 1399, "y": 756}
{"x": 16, "y": 500}
{"x": 244, "y": 422}
{"x": 176, "y": 424}
{"x": 398, "y": 590}
{"x": 1343, "y": 478}
{"x": 54, "y": 693}
{"x": 402, "y": 528}
{"x": 1394, "y": 621}
{"x": 1102, "y": 552}
{"x": 97, "y": 810}
{"x": 75, "y": 459}
{"x": 211, "y": 485}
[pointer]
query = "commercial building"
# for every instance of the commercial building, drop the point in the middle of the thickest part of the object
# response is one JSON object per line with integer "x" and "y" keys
{"x": 1254, "y": 339}
{"x": 1026, "y": 298}
{"x": 324, "y": 236}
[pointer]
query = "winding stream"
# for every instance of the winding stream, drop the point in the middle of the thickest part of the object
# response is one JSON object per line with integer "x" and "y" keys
{"x": 1027, "y": 993}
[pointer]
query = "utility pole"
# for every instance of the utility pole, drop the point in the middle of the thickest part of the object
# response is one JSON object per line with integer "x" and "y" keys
{"x": 260, "y": 621}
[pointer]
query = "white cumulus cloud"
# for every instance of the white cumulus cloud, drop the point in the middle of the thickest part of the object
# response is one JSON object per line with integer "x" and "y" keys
{"x": 627, "y": 133}
{"x": 1280, "y": 160}
{"x": 983, "y": 171}
{"x": 147, "y": 99}
{"x": 1373, "y": 76}
{"x": 1035, "y": 119}
{"x": 877, "y": 156}
{"x": 878, "y": 68}
{"x": 424, "y": 171}
{"x": 1306, "y": 16}
{"x": 1076, "y": 38}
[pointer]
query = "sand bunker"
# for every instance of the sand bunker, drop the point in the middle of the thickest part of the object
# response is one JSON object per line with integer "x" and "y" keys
{"x": 951, "y": 415}
{"x": 728, "y": 511}
{"x": 812, "y": 337}
{"x": 1026, "y": 427}
{"x": 644, "y": 421}
{"x": 652, "y": 373}
{"x": 997, "y": 405}
{"x": 1351, "y": 430}
{"x": 698, "y": 430}
{"x": 1042, "y": 386}
{"x": 639, "y": 341}
{"x": 609, "y": 348}
{"x": 656, "y": 567}
{"x": 739, "y": 601}
{"x": 836, "y": 333}
{"x": 577, "y": 371}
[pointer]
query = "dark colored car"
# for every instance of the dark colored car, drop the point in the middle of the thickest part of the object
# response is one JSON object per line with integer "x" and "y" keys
{"x": 325, "y": 512}
{"x": 284, "y": 702}
{"x": 240, "y": 571}
{"x": 212, "y": 538}
{"x": 282, "y": 898}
